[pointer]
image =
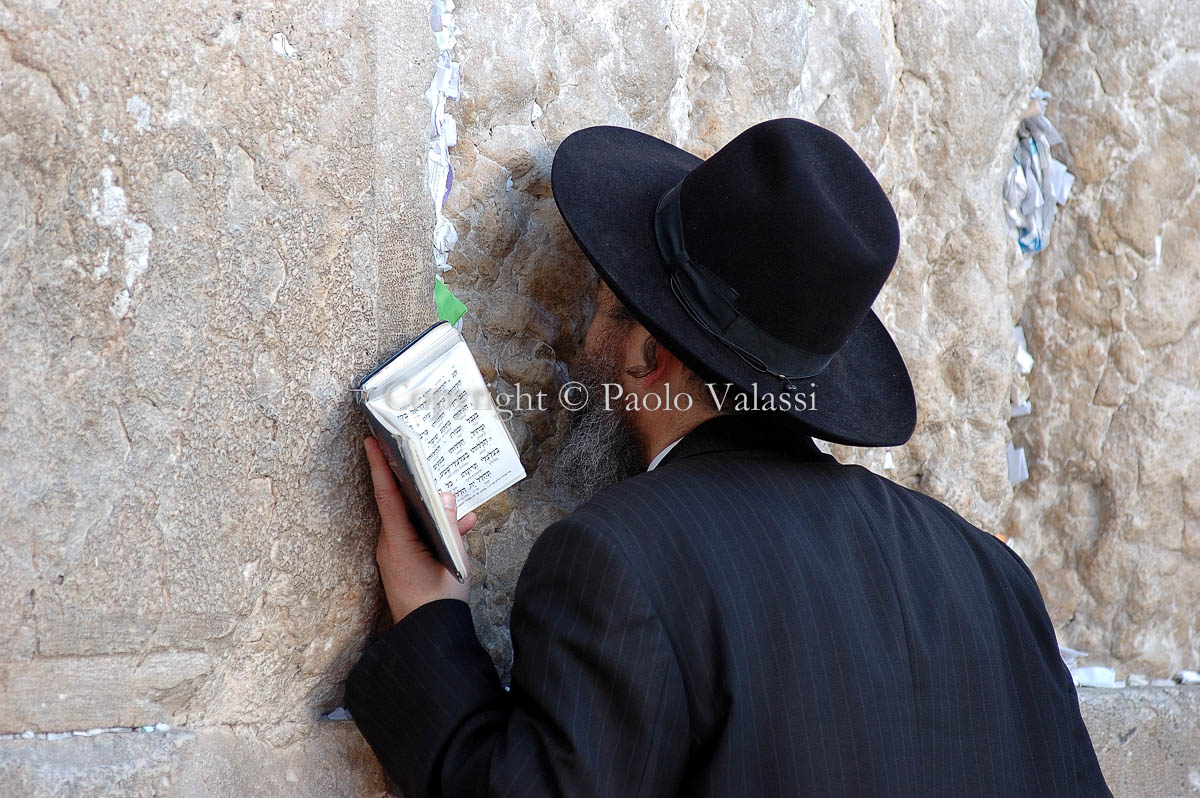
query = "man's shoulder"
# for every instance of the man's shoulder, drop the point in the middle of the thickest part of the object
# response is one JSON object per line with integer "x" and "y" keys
{"x": 705, "y": 496}
{"x": 714, "y": 486}
{"x": 625, "y": 515}
{"x": 717, "y": 489}
{"x": 945, "y": 528}
{"x": 661, "y": 493}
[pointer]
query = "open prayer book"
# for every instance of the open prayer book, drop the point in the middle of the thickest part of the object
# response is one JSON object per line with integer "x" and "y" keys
{"x": 436, "y": 422}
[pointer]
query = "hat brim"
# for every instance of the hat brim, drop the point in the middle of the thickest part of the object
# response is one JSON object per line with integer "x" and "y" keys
{"x": 607, "y": 182}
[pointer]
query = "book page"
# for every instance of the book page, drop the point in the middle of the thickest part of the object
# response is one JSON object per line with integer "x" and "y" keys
{"x": 468, "y": 449}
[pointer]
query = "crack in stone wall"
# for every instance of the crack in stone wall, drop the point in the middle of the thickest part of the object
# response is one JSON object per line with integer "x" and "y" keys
{"x": 51, "y": 736}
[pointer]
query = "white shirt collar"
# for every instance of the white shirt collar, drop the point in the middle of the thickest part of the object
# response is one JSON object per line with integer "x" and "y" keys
{"x": 658, "y": 457}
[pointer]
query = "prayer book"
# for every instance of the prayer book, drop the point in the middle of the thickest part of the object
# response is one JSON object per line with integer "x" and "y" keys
{"x": 439, "y": 428}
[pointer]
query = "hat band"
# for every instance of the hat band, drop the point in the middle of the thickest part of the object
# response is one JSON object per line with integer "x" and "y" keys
{"x": 709, "y": 301}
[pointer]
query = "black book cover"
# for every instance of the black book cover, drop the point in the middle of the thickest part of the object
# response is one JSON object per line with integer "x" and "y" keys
{"x": 399, "y": 454}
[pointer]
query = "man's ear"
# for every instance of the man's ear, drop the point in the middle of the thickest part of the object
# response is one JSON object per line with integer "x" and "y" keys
{"x": 658, "y": 363}
{"x": 670, "y": 366}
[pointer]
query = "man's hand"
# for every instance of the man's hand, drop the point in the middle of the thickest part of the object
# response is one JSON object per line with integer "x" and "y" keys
{"x": 411, "y": 575}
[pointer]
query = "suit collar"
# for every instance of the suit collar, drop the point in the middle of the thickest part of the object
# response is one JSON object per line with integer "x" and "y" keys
{"x": 742, "y": 431}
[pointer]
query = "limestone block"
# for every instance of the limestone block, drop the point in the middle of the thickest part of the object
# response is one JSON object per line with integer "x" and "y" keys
{"x": 334, "y": 762}
{"x": 202, "y": 243}
{"x": 1106, "y": 518}
{"x": 1147, "y": 739}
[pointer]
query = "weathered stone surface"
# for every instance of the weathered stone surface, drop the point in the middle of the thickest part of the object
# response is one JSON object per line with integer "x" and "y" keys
{"x": 1147, "y": 739}
{"x": 202, "y": 244}
{"x": 1110, "y": 518}
{"x": 334, "y": 762}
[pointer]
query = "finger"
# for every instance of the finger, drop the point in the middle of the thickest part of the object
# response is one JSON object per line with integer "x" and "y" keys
{"x": 387, "y": 495}
{"x": 466, "y": 558}
{"x": 450, "y": 505}
{"x": 461, "y": 541}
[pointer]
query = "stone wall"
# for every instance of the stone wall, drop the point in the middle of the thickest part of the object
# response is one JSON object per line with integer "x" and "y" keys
{"x": 1147, "y": 740}
{"x": 1110, "y": 517}
{"x": 215, "y": 217}
{"x": 203, "y": 242}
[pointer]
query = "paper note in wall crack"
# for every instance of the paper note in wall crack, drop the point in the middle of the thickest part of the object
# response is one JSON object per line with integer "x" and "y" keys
{"x": 449, "y": 307}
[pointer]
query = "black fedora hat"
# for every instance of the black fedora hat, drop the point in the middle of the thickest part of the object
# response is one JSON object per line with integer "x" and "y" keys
{"x": 755, "y": 267}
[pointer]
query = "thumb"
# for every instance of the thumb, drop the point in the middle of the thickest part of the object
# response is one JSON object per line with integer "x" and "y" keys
{"x": 450, "y": 504}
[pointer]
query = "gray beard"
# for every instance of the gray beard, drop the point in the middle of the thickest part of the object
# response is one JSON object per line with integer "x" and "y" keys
{"x": 601, "y": 447}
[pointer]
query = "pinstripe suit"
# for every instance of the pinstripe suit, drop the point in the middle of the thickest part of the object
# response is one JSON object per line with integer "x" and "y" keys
{"x": 750, "y": 618}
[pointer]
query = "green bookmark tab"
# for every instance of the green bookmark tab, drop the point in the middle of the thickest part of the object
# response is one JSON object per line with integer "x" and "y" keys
{"x": 449, "y": 308}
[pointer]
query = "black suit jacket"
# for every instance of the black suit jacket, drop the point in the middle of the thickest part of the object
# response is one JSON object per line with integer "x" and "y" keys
{"x": 751, "y": 618}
